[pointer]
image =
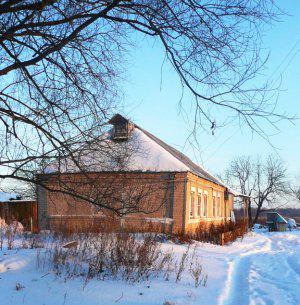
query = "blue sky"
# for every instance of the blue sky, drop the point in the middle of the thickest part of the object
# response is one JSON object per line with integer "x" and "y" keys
{"x": 152, "y": 101}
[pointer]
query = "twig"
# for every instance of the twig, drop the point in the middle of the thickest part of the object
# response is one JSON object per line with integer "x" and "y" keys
{"x": 117, "y": 300}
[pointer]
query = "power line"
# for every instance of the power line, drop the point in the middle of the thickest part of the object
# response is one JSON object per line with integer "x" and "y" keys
{"x": 277, "y": 68}
{"x": 285, "y": 57}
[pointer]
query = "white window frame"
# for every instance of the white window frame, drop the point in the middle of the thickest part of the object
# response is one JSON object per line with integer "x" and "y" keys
{"x": 200, "y": 192}
{"x": 192, "y": 196}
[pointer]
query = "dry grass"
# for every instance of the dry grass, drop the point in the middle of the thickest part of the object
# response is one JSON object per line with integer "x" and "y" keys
{"x": 9, "y": 233}
{"x": 125, "y": 256}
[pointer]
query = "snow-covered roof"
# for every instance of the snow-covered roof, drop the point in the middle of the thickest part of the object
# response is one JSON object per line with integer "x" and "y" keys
{"x": 275, "y": 216}
{"x": 7, "y": 196}
{"x": 142, "y": 151}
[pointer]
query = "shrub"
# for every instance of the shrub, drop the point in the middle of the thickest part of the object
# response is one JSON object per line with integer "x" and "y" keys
{"x": 126, "y": 256}
{"x": 219, "y": 234}
{"x": 108, "y": 255}
{"x": 182, "y": 264}
{"x": 13, "y": 230}
{"x": 32, "y": 241}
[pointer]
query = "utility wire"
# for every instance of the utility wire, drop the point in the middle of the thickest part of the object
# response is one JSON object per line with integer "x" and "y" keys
{"x": 270, "y": 77}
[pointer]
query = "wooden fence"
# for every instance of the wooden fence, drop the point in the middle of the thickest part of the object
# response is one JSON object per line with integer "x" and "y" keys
{"x": 24, "y": 211}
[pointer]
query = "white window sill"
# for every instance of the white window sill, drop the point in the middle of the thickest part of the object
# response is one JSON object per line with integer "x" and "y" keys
{"x": 200, "y": 219}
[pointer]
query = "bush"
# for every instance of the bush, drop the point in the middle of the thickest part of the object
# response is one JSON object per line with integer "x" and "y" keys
{"x": 220, "y": 234}
{"x": 9, "y": 232}
{"x": 127, "y": 256}
{"x": 107, "y": 255}
{"x": 131, "y": 257}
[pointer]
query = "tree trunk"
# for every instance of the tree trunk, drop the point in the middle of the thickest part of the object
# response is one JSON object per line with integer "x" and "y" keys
{"x": 257, "y": 211}
{"x": 249, "y": 214}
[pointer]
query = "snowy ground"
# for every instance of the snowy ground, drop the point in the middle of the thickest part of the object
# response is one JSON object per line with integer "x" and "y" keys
{"x": 260, "y": 269}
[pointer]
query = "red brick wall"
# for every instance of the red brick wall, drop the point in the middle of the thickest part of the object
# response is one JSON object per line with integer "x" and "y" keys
{"x": 163, "y": 197}
{"x": 168, "y": 197}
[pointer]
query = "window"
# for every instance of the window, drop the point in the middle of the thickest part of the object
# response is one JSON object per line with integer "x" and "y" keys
{"x": 204, "y": 205}
{"x": 214, "y": 205}
{"x": 192, "y": 205}
{"x": 227, "y": 209}
{"x": 218, "y": 205}
{"x": 229, "y": 205}
{"x": 199, "y": 205}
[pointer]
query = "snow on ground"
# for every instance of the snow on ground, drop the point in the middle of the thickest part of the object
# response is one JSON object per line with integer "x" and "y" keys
{"x": 263, "y": 268}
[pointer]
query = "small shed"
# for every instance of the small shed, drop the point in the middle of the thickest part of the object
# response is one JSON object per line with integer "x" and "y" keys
{"x": 276, "y": 222}
{"x": 24, "y": 211}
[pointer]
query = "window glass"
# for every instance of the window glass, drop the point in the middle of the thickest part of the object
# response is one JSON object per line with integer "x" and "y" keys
{"x": 199, "y": 205}
{"x": 214, "y": 206}
{"x": 192, "y": 205}
{"x": 218, "y": 206}
{"x": 205, "y": 205}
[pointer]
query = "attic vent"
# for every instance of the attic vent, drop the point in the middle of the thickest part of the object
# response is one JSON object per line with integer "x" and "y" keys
{"x": 120, "y": 131}
{"x": 122, "y": 127}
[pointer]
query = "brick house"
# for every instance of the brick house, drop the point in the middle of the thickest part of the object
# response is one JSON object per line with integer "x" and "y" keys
{"x": 168, "y": 188}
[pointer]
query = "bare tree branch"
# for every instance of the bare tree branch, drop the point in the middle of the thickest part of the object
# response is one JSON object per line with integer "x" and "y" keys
{"x": 265, "y": 182}
{"x": 61, "y": 62}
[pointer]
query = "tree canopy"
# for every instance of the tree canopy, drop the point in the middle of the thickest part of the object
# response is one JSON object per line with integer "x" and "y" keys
{"x": 61, "y": 60}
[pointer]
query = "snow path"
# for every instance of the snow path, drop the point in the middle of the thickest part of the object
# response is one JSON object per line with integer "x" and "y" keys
{"x": 261, "y": 269}
{"x": 269, "y": 274}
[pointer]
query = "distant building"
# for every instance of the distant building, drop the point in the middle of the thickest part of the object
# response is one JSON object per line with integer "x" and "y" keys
{"x": 14, "y": 208}
{"x": 185, "y": 193}
{"x": 276, "y": 222}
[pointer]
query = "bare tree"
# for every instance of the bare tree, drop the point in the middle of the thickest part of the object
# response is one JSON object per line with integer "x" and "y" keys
{"x": 264, "y": 181}
{"x": 240, "y": 175}
{"x": 272, "y": 184}
{"x": 60, "y": 62}
{"x": 296, "y": 192}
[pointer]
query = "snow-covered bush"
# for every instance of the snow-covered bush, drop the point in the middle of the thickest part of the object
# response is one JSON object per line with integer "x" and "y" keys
{"x": 258, "y": 228}
{"x": 291, "y": 224}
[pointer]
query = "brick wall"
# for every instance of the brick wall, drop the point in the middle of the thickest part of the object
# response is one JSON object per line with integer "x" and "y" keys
{"x": 162, "y": 198}
{"x": 194, "y": 183}
{"x": 166, "y": 198}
